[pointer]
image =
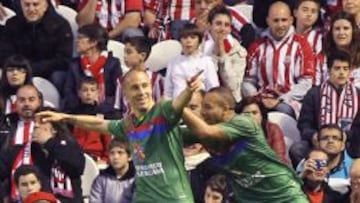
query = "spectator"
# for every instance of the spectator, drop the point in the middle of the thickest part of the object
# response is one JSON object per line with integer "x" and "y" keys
{"x": 216, "y": 190}
{"x": 241, "y": 27}
{"x": 115, "y": 184}
{"x": 261, "y": 8}
{"x": 274, "y": 135}
{"x": 307, "y": 15}
{"x": 280, "y": 64}
{"x": 16, "y": 72}
{"x": 352, "y": 7}
{"x": 190, "y": 62}
{"x": 58, "y": 157}
{"x": 16, "y": 128}
{"x": 121, "y": 18}
{"x": 336, "y": 101}
{"x": 92, "y": 143}
{"x": 154, "y": 136}
{"x": 314, "y": 176}
{"x": 344, "y": 35}
{"x": 331, "y": 140}
{"x": 97, "y": 62}
{"x": 254, "y": 172}
{"x": 228, "y": 54}
{"x": 28, "y": 180}
{"x": 136, "y": 51}
{"x": 43, "y": 37}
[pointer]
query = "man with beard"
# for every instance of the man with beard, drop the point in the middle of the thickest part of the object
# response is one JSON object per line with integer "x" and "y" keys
{"x": 240, "y": 149}
{"x": 280, "y": 65}
{"x": 16, "y": 128}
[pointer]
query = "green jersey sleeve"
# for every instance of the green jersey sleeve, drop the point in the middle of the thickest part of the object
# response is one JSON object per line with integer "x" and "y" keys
{"x": 173, "y": 117}
{"x": 240, "y": 126}
{"x": 116, "y": 128}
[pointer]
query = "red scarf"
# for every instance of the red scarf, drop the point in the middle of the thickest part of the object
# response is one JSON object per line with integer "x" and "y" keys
{"x": 96, "y": 70}
{"x": 22, "y": 138}
{"x": 338, "y": 109}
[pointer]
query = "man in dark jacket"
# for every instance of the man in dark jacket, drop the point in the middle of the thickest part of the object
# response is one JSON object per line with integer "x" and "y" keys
{"x": 42, "y": 36}
{"x": 336, "y": 101}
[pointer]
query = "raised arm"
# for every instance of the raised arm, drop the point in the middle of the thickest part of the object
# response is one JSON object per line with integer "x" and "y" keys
{"x": 200, "y": 128}
{"x": 91, "y": 123}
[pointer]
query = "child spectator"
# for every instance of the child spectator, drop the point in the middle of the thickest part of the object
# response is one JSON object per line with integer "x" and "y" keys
{"x": 307, "y": 14}
{"x": 190, "y": 62}
{"x": 28, "y": 180}
{"x": 94, "y": 61}
{"x": 92, "y": 143}
{"x": 115, "y": 183}
{"x": 216, "y": 190}
{"x": 137, "y": 50}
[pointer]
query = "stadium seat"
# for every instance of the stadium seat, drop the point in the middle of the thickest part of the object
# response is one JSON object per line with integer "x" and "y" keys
{"x": 162, "y": 53}
{"x": 90, "y": 173}
{"x": 69, "y": 14}
{"x": 246, "y": 10}
{"x": 288, "y": 125}
{"x": 51, "y": 95}
{"x": 10, "y": 13}
{"x": 117, "y": 48}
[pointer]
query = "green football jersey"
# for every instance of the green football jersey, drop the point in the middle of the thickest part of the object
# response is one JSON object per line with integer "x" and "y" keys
{"x": 156, "y": 145}
{"x": 254, "y": 172}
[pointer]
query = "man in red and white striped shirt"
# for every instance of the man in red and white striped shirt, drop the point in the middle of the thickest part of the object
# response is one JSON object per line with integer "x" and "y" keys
{"x": 118, "y": 17}
{"x": 307, "y": 13}
{"x": 281, "y": 63}
{"x": 170, "y": 16}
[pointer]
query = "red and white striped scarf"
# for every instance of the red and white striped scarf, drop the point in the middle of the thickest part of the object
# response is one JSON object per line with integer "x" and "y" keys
{"x": 208, "y": 45}
{"x": 335, "y": 108}
{"x": 10, "y": 105}
{"x": 60, "y": 182}
{"x": 96, "y": 70}
{"x": 22, "y": 137}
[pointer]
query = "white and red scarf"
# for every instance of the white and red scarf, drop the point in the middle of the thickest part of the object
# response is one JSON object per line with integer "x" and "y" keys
{"x": 10, "y": 105}
{"x": 60, "y": 182}
{"x": 96, "y": 70}
{"x": 21, "y": 138}
{"x": 336, "y": 109}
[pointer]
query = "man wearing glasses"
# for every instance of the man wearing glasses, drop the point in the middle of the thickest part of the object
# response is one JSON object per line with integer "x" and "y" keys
{"x": 331, "y": 139}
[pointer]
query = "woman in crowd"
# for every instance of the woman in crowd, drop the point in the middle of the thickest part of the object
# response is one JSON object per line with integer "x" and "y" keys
{"x": 344, "y": 35}
{"x": 16, "y": 72}
{"x": 273, "y": 133}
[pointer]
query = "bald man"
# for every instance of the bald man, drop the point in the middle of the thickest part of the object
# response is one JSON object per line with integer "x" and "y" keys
{"x": 153, "y": 133}
{"x": 281, "y": 63}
